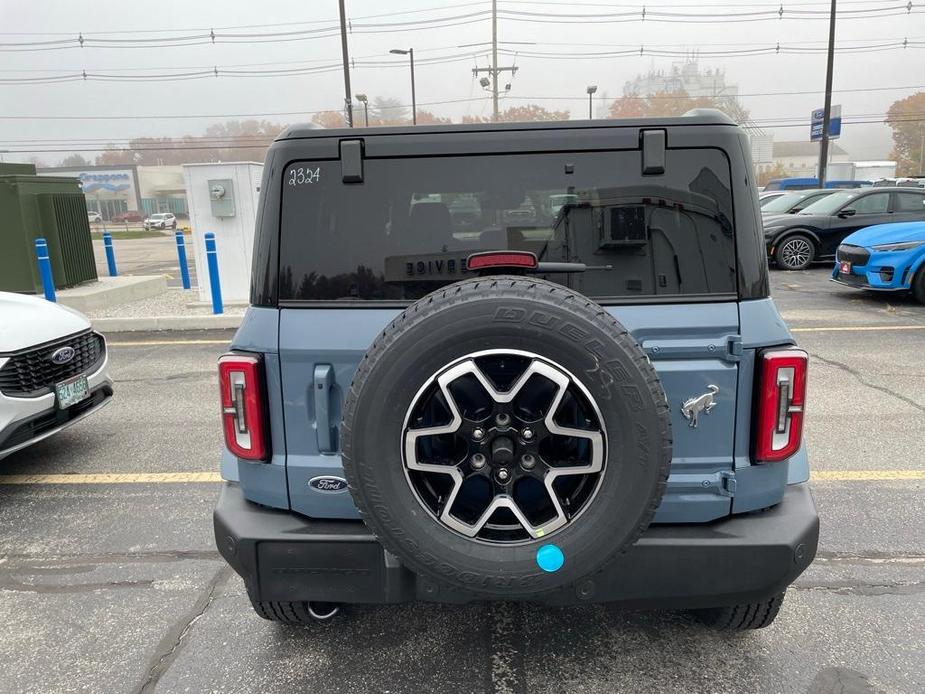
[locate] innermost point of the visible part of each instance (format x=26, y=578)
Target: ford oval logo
x=63, y=355
x=328, y=483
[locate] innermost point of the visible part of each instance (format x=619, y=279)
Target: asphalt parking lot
x=156, y=255
x=112, y=583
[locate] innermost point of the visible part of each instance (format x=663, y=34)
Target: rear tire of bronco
x=506, y=437
x=297, y=613
x=751, y=615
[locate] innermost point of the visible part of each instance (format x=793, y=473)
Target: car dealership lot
x=111, y=582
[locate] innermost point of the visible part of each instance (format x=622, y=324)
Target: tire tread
x=472, y=290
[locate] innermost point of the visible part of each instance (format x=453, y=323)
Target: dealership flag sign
x=815, y=129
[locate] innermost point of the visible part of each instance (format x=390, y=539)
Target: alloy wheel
x=504, y=446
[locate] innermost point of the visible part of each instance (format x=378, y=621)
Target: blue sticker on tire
x=549, y=558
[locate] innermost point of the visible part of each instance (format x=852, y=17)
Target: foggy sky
x=42, y=19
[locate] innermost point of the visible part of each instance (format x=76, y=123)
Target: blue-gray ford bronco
x=533, y=362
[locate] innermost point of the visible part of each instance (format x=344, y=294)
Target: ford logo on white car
x=62, y=355
x=328, y=483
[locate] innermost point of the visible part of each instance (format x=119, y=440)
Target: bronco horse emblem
x=692, y=408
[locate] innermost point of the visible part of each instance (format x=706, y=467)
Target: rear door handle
x=322, y=385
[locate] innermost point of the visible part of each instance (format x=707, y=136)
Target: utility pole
x=348, y=99
x=827, y=114
x=494, y=57
x=494, y=70
x=921, y=153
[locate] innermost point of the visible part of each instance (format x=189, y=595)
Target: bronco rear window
x=409, y=226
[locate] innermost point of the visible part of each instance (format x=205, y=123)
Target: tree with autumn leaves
x=907, y=119
x=383, y=112
x=674, y=103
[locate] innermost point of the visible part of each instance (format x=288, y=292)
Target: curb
x=154, y=323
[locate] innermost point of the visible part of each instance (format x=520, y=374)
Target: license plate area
x=844, y=267
x=72, y=391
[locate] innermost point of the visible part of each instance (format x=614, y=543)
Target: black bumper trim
x=287, y=557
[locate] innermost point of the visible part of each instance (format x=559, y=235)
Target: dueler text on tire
x=507, y=437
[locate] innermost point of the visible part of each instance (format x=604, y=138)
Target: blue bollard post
x=110, y=255
x=212, y=259
x=181, y=253
x=48, y=282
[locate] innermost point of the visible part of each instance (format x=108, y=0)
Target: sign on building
x=815, y=128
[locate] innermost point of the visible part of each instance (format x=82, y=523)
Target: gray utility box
x=221, y=194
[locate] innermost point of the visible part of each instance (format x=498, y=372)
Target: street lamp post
x=592, y=88
x=414, y=108
x=363, y=99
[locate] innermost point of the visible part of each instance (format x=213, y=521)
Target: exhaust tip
x=323, y=611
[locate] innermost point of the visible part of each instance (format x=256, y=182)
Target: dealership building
x=111, y=190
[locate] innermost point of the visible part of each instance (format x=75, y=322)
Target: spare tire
x=506, y=436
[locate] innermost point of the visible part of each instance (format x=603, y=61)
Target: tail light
x=240, y=378
x=782, y=397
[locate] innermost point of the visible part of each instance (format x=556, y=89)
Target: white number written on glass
x=304, y=175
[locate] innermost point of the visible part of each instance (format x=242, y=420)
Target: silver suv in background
x=162, y=220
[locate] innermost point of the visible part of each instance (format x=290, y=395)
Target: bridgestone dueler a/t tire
x=751, y=615
x=507, y=313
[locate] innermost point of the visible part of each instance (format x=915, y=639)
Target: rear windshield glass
x=409, y=227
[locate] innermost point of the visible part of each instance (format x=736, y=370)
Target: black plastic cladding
x=686, y=132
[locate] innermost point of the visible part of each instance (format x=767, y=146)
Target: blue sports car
x=885, y=257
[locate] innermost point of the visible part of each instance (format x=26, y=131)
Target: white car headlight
x=903, y=246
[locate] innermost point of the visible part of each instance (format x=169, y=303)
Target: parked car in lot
x=601, y=406
x=810, y=183
x=766, y=196
x=795, y=241
x=886, y=257
x=130, y=216
x=94, y=217
x=795, y=201
x=161, y=220
x=53, y=370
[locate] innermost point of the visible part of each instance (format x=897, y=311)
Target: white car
x=162, y=220
x=54, y=370
x=94, y=217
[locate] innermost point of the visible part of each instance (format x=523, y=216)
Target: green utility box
x=51, y=206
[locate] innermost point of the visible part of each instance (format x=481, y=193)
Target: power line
x=264, y=146
x=269, y=114
x=643, y=14
x=215, y=72
x=206, y=142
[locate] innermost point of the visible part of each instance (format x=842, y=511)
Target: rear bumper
x=287, y=557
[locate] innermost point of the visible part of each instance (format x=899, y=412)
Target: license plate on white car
x=844, y=268
x=72, y=391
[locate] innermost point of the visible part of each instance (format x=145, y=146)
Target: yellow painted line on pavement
x=856, y=328
x=866, y=475
x=200, y=477
x=155, y=343
x=114, y=478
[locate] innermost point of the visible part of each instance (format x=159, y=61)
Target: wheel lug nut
x=478, y=434
x=503, y=474
x=527, y=434
x=477, y=461
x=527, y=461
x=503, y=419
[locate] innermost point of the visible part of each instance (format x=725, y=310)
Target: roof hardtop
x=700, y=116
